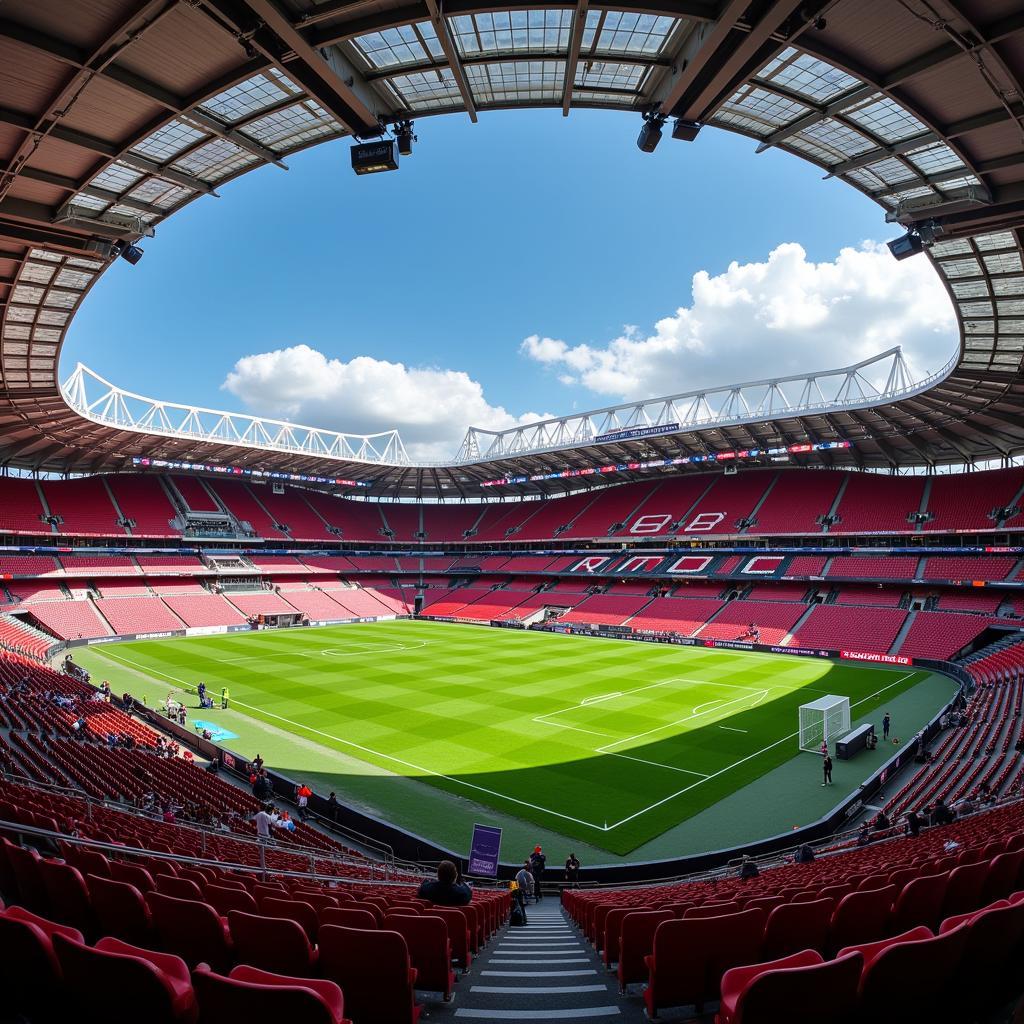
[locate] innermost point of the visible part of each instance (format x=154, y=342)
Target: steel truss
x=102, y=402
x=830, y=391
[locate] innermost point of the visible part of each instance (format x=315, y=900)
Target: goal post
x=822, y=721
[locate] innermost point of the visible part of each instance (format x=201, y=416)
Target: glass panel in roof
x=951, y=247
x=961, y=268
x=424, y=89
x=1008, y=286
x=214, y=160
x=20, y=314
x=517, y=82
x=247, y=98
x=811, y=149
x=69, y=278
x=151, y=190
x=995, y=240
x=52, y=316
x=90, y=202
x=116, y=178
x=1010, y=307
x=44, y=254
x=290, y=127
x=935, y=158
x=976, y=309
x=640, y=34
x=765, y=107
x=838, y=139
x=168, y=141
x=37, y=273
x=542, y=31
x=583, y=94
x=969, y=289
x=597, y=74
x=886, y=120
x=809, y=76
x=1003, y=263
x=400, y=45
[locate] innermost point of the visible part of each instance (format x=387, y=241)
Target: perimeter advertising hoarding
x=484, y=851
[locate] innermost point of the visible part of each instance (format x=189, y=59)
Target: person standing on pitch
x=537, y=864
x=826, y=766
x=886, y=722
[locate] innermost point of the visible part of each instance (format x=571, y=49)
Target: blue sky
x=524, y=226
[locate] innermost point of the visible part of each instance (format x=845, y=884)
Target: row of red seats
x=210, y=919
x=779, y=502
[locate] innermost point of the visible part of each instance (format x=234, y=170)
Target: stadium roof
x=115, y=113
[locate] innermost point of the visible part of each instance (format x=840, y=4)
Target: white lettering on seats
x=761, y=564
x=639, y=563
x=704, y=522
x=652, y=523
x=591, y=564
x=690, y=563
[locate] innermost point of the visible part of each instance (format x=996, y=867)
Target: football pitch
x=611, y=742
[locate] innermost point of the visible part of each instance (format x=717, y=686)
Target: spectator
x=265, y=820
x=826, y=767
x=941, y=814
x=913, y=823
x=286, y=822
x=886, y=723
x=804, y=854
x=302, y=795
x=524, y=886
x=332, y=807
x=882, y=822
x=748, y=869
x=448, y=890
x=257, y=764
x=572, y=871
x=537, y=864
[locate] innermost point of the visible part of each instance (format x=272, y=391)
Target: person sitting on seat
x=448, y=889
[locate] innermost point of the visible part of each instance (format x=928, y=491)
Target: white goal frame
x=822, y=721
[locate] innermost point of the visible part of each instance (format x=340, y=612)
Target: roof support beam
x=579, y=22
x=444, y=36
x=263, y=25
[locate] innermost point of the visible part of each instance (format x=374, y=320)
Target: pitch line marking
x=731, y=728
x=743, y=760
x=708, y=704
x=389, y=757
x=656, y=764
x=605, y=828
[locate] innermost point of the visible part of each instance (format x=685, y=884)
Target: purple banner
x=484, y=850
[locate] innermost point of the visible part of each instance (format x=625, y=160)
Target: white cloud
x=431, y=407
x=756, y=320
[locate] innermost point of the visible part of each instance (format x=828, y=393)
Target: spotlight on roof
x=650, y=134
x=374, y=157
x=685, y=131
x=128, y=251
x=404, y=137
x=906, y=245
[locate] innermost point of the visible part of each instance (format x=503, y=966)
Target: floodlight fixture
x=906, y=245
x=374, y=157
x=685, y=131
x=405, y=137
x=650, y=134
x=128, y=251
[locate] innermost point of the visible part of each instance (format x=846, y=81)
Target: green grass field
x=610, y=742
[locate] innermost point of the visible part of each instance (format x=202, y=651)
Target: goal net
x=823, y=721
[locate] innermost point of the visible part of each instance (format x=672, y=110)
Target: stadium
x=753, y=652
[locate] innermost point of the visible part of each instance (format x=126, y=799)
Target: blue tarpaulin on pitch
x=217, y=732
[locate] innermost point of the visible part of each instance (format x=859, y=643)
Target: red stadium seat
x=182, y=888
x=430, y=950
x=861, y=917
x=793, y=927
x=191, y=930
x=133, y=874
x=275, y=944
x=67, y=895
x=223, y=899
x=121, y=910
x=636, y=940
x=691, y=955
x=374, y=972
x=300, y=912
x=963, y=890
x=920, y=902
x=349, y=917
x=800, y=989
x=30, y=974
x=248, y=994
x=111, y=985
x=458, y=934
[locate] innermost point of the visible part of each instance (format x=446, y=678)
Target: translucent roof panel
x=166, y=142
x=754, y=109
x=422, y=90
x=808, y=76
x=116, y=178
x=292, y=126
x=248, y=97
x=936, y=158
x=512, y=32
x=597, y=74
x=405, y=44
x=536, y=81
x=215, y=160
x=886, y=119
x=619, y=32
